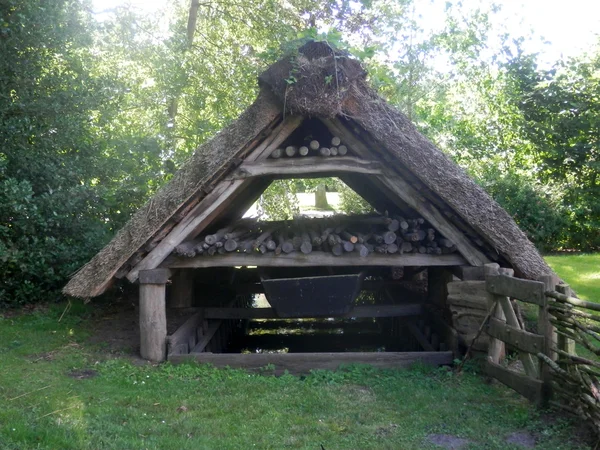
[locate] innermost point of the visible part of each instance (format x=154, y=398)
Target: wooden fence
x=552, y=371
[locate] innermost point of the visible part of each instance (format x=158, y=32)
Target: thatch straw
x=318, y=81
x=199, y=171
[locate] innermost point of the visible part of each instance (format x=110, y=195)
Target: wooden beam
x=312, y=260
x=210, y=332
x=525, y=290
x=306, y=167
x=521, y=340
x=396, y=184
x=430, y=213
x=524, y=385
x=298, y=363
x=185, y=338
x=402, y=310
x=420, y=337
x=213, y=204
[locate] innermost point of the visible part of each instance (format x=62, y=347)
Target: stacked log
x=311, y=147
x=358, y=235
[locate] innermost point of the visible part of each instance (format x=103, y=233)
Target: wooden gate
x=505, y=327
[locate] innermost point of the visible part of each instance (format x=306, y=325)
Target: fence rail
x=554, y=372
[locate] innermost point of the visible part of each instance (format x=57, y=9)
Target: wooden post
x=181, y=292
x=496, y=350
x=546, y=329
x=153, y=317
x=564, y=343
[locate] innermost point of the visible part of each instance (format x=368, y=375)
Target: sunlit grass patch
x=581, y=271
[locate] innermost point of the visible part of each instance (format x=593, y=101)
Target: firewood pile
x=357, y=235
x=314, y=148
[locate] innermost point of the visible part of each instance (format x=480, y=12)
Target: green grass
x=128, y=405
x=581, y=271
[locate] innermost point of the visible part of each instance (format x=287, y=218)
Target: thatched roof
x=328, y=84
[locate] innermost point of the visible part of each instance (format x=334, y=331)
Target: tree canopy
x=97, y=112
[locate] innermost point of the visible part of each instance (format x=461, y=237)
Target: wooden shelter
x=328, y=122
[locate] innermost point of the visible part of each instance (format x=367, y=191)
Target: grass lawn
x=58, y=391
x=581, y=271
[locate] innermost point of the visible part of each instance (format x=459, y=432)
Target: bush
x=538, y=214
x=43, y=239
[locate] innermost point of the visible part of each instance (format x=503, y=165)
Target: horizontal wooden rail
x=528, y=387
x=313, y=259
x=408, y=309
x=525, y=290
x=306, y=167
x=297, y=363
x=522, y=340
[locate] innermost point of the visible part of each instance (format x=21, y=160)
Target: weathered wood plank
x=407, y=309
x=186, y=336
x=313, y=259
x=153, y=322
x=469, y=301
x=525, y=290
x=298, y=363
x=524, y=385
x=208, y=335
x=471, y=288
x=469, y=273
x=213, y=204
x=306, y=167
x=522, y=340
x=420, y=337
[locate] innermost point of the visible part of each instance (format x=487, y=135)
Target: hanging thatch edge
x=188, y=182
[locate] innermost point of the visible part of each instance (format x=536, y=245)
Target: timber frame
x=386, y=161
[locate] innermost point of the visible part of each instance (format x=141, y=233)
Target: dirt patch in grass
x=82, y=374
x=448, y=441
x=116, y=326
x=523, y=439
